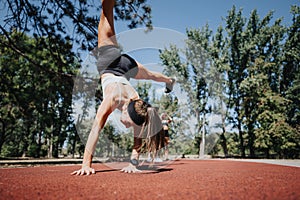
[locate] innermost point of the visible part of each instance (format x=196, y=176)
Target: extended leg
x=144, y=73
x=106, y=29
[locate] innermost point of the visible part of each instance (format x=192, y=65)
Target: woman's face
x=125, y=118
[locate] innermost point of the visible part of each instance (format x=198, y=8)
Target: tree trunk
x=242, y=147
x=224, y=144
x=39, y=147
x=251, y=144
x=74, y=145
x=222, y=136
x=2, y=135
x=50, y=143
x=202, y=143
x=267, y=153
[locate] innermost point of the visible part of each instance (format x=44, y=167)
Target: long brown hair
x=151, y=129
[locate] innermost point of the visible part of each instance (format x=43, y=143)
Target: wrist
x=134, y=162
x=134, y=155
x=87, y=161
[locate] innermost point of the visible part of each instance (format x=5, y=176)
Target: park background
x=249, y=49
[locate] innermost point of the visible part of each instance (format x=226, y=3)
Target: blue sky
x=178, y=15
x=181, y=14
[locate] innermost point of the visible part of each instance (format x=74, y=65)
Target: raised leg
x=144, y=73
x=106, y=29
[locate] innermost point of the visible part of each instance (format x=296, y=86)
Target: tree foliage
x=249, y=68
x=35, y=103
x=73, y=21
x=249, y=63
x=40, y=42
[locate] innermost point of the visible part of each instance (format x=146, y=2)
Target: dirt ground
x=181, y=179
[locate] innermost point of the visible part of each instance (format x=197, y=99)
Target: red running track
x=182, y=179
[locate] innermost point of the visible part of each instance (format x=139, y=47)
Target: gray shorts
x=106, y=55
x=110, y=60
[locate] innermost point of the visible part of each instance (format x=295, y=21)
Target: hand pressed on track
x=84, y=170
x=130, y=169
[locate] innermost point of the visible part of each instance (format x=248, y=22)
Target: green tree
x=76, y=21
x=47, y=62
x=273, y=134
x=248, y=40
x=142, y=89
x=41, y=98
x=218, y=83
x=249, y=62
x=237, y=62
x=290, y=83
x=193, y=74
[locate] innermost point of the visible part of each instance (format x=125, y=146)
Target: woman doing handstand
x=115, y=71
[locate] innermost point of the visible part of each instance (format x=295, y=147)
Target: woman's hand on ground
x=84, y=170
x=130, y=169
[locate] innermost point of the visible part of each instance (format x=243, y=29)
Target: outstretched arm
x=103, y=112
x=131, y=168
